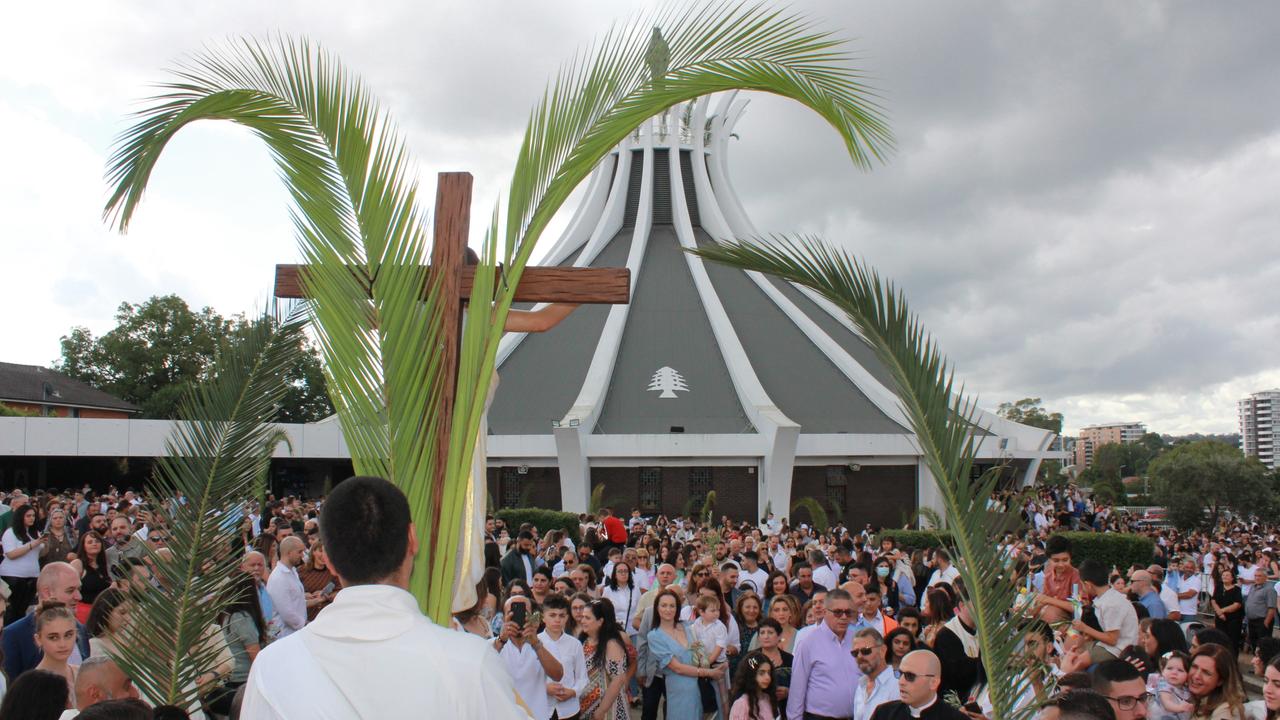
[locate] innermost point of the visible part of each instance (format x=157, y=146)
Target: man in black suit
x=918, y=688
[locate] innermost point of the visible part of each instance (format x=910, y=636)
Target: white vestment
x=372, y=654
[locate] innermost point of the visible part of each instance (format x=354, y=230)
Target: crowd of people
x=652, y=615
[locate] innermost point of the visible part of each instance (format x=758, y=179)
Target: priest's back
x=373, y=654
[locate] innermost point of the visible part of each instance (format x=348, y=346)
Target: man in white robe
x=372, y=653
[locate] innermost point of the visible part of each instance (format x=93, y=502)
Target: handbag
x=707, y=690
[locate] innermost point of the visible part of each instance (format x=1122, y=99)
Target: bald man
x=285, y=587
x=57, y=581
x=99, y=680
x=1140, y=582
x=918, y=687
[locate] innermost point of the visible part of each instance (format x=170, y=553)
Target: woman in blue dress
x=670, y=643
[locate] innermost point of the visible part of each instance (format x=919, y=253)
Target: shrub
x=1118, y=550
x=918, y=539
x=542, y=519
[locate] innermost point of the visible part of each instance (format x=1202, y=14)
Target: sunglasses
x=911, y=677
x=864, y=652
x=158, y=539
x=840, y=613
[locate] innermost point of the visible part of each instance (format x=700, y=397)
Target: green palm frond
x=709, y=507
x=216, y=458
x=817, y=513
x=364, y=236
x=941, y=417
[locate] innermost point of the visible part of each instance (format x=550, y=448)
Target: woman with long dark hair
x=1228, y=604
x=21, y=567
x=670, y=644
x=897, y=644
x=1271, y=689
x=1215, y=684
x=621, y=592
x=606, y=655
x=108, y=623
x=938, y=609
x=36, y=695
x=91, y=562
x=245, y=632
x=776, y=585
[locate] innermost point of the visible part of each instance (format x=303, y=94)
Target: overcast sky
x=1083, y=205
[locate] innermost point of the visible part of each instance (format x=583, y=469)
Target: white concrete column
x=575, y=474
x=927, y=494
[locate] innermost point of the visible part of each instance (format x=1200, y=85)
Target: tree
x=363, y=233
x=1200, y=480
x=1029, y=411
x=160, y=349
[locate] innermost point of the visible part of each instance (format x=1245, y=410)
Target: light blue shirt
x=886, y=689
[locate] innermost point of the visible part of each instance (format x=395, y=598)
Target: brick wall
x=540, y=486
x=735, y=488
x=878, y=494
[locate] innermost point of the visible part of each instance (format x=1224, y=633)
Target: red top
x=615, y=530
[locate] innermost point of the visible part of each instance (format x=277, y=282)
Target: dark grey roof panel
x=27, y=383
x=542, y=377
x=805, y=385
x=668, y=328
x=852, y=343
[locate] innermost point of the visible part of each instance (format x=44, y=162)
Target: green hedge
x=918, y=539
x=1111, y=549
x=542, y=519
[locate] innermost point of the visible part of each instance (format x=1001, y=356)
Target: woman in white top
x=620, y=589
x=21, y=565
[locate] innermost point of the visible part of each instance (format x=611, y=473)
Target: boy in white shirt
x=708, y=630
x=562, y=695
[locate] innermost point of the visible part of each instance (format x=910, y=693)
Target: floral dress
x=598, y=679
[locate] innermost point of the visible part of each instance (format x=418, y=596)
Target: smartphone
x=519, y=613
x=328, y=588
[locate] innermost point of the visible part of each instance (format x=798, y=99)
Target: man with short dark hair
x=805, y=588
x=945, y=572
x=1122, y=685
x=1079, y=704
x=878, y=684
x=956, y=646
x=519, y=561
x=752, y=572
x=351, y=660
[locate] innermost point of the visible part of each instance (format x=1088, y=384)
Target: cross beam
x=606, y=286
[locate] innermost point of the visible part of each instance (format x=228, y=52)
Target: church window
x=651, y=489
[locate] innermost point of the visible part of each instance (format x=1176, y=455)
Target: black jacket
x=898, y=710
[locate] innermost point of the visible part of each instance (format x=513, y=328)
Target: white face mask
x=882, y=571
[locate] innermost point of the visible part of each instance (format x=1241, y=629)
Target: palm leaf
x=709, y=507
x=942, y=419
x=363, y=236
x=216, y=458
x=817, y=513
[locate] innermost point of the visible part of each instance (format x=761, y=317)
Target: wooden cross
x=610, y=286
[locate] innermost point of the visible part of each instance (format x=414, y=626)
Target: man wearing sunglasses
x=877, y=685
x=823, y=671
x=918, y=689
x=1121, y=684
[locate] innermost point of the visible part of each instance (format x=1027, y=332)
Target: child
x=1172, y=697
x=708, y=629
x=753, y=688
x=713, y=635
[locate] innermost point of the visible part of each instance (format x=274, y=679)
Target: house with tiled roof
x=45, y=392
